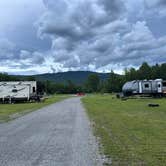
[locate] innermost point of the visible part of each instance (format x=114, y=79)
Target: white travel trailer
x=18, y=91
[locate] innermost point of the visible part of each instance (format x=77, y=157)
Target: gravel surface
x=57, y=135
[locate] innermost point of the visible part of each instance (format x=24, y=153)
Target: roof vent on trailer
x=14, y=90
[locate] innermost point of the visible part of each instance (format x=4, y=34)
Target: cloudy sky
x=39, y=36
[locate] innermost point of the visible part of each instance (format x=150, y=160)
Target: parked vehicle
x=13, y=91
x=150, y=87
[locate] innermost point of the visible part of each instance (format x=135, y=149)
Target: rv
x=13, y=91
x=150, y=87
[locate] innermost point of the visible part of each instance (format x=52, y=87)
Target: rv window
x=14, y=90
x=146, y=85
x=159, y=86
x=34, y=89
x=164, y=83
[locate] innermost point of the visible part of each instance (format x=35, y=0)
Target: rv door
x=159, y=87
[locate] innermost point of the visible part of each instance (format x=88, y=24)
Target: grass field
x=130, y=132
x=11, y=111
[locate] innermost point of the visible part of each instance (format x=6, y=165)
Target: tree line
x=113, y=83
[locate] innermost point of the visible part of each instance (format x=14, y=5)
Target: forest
x=93, y=83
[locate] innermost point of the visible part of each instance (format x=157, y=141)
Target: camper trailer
x=13, y=91
x=150, y=87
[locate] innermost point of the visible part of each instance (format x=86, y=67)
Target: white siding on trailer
x=31, y=84
x=22, y=91
x=140, y=86
x=16, y=91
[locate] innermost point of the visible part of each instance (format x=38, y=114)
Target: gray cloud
x=79, y=19
x=156, y=6
x=53, y=69
x=155, y=3
x=32, y=57
x=84, y=37
x=114, y=8
x=81, y=28
x=162, y=3
x=6, y=49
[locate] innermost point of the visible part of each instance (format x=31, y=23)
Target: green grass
x=7, y=111
x=130, y=132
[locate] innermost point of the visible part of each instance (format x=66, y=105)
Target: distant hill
x=77, y=77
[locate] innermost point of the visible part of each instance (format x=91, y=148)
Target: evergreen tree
x=144, y=71
x=114, y=82
x=93, y=82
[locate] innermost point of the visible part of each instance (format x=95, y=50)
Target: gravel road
x=56, y=135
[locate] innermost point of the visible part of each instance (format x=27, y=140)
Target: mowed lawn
x=10, y=111
x=130, y=132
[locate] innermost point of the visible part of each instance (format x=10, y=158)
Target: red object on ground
x=80, y=94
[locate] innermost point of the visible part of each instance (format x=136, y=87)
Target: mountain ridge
x=77, y=77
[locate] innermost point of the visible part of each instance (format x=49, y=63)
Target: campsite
x=120, y=124
x=83, y=83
